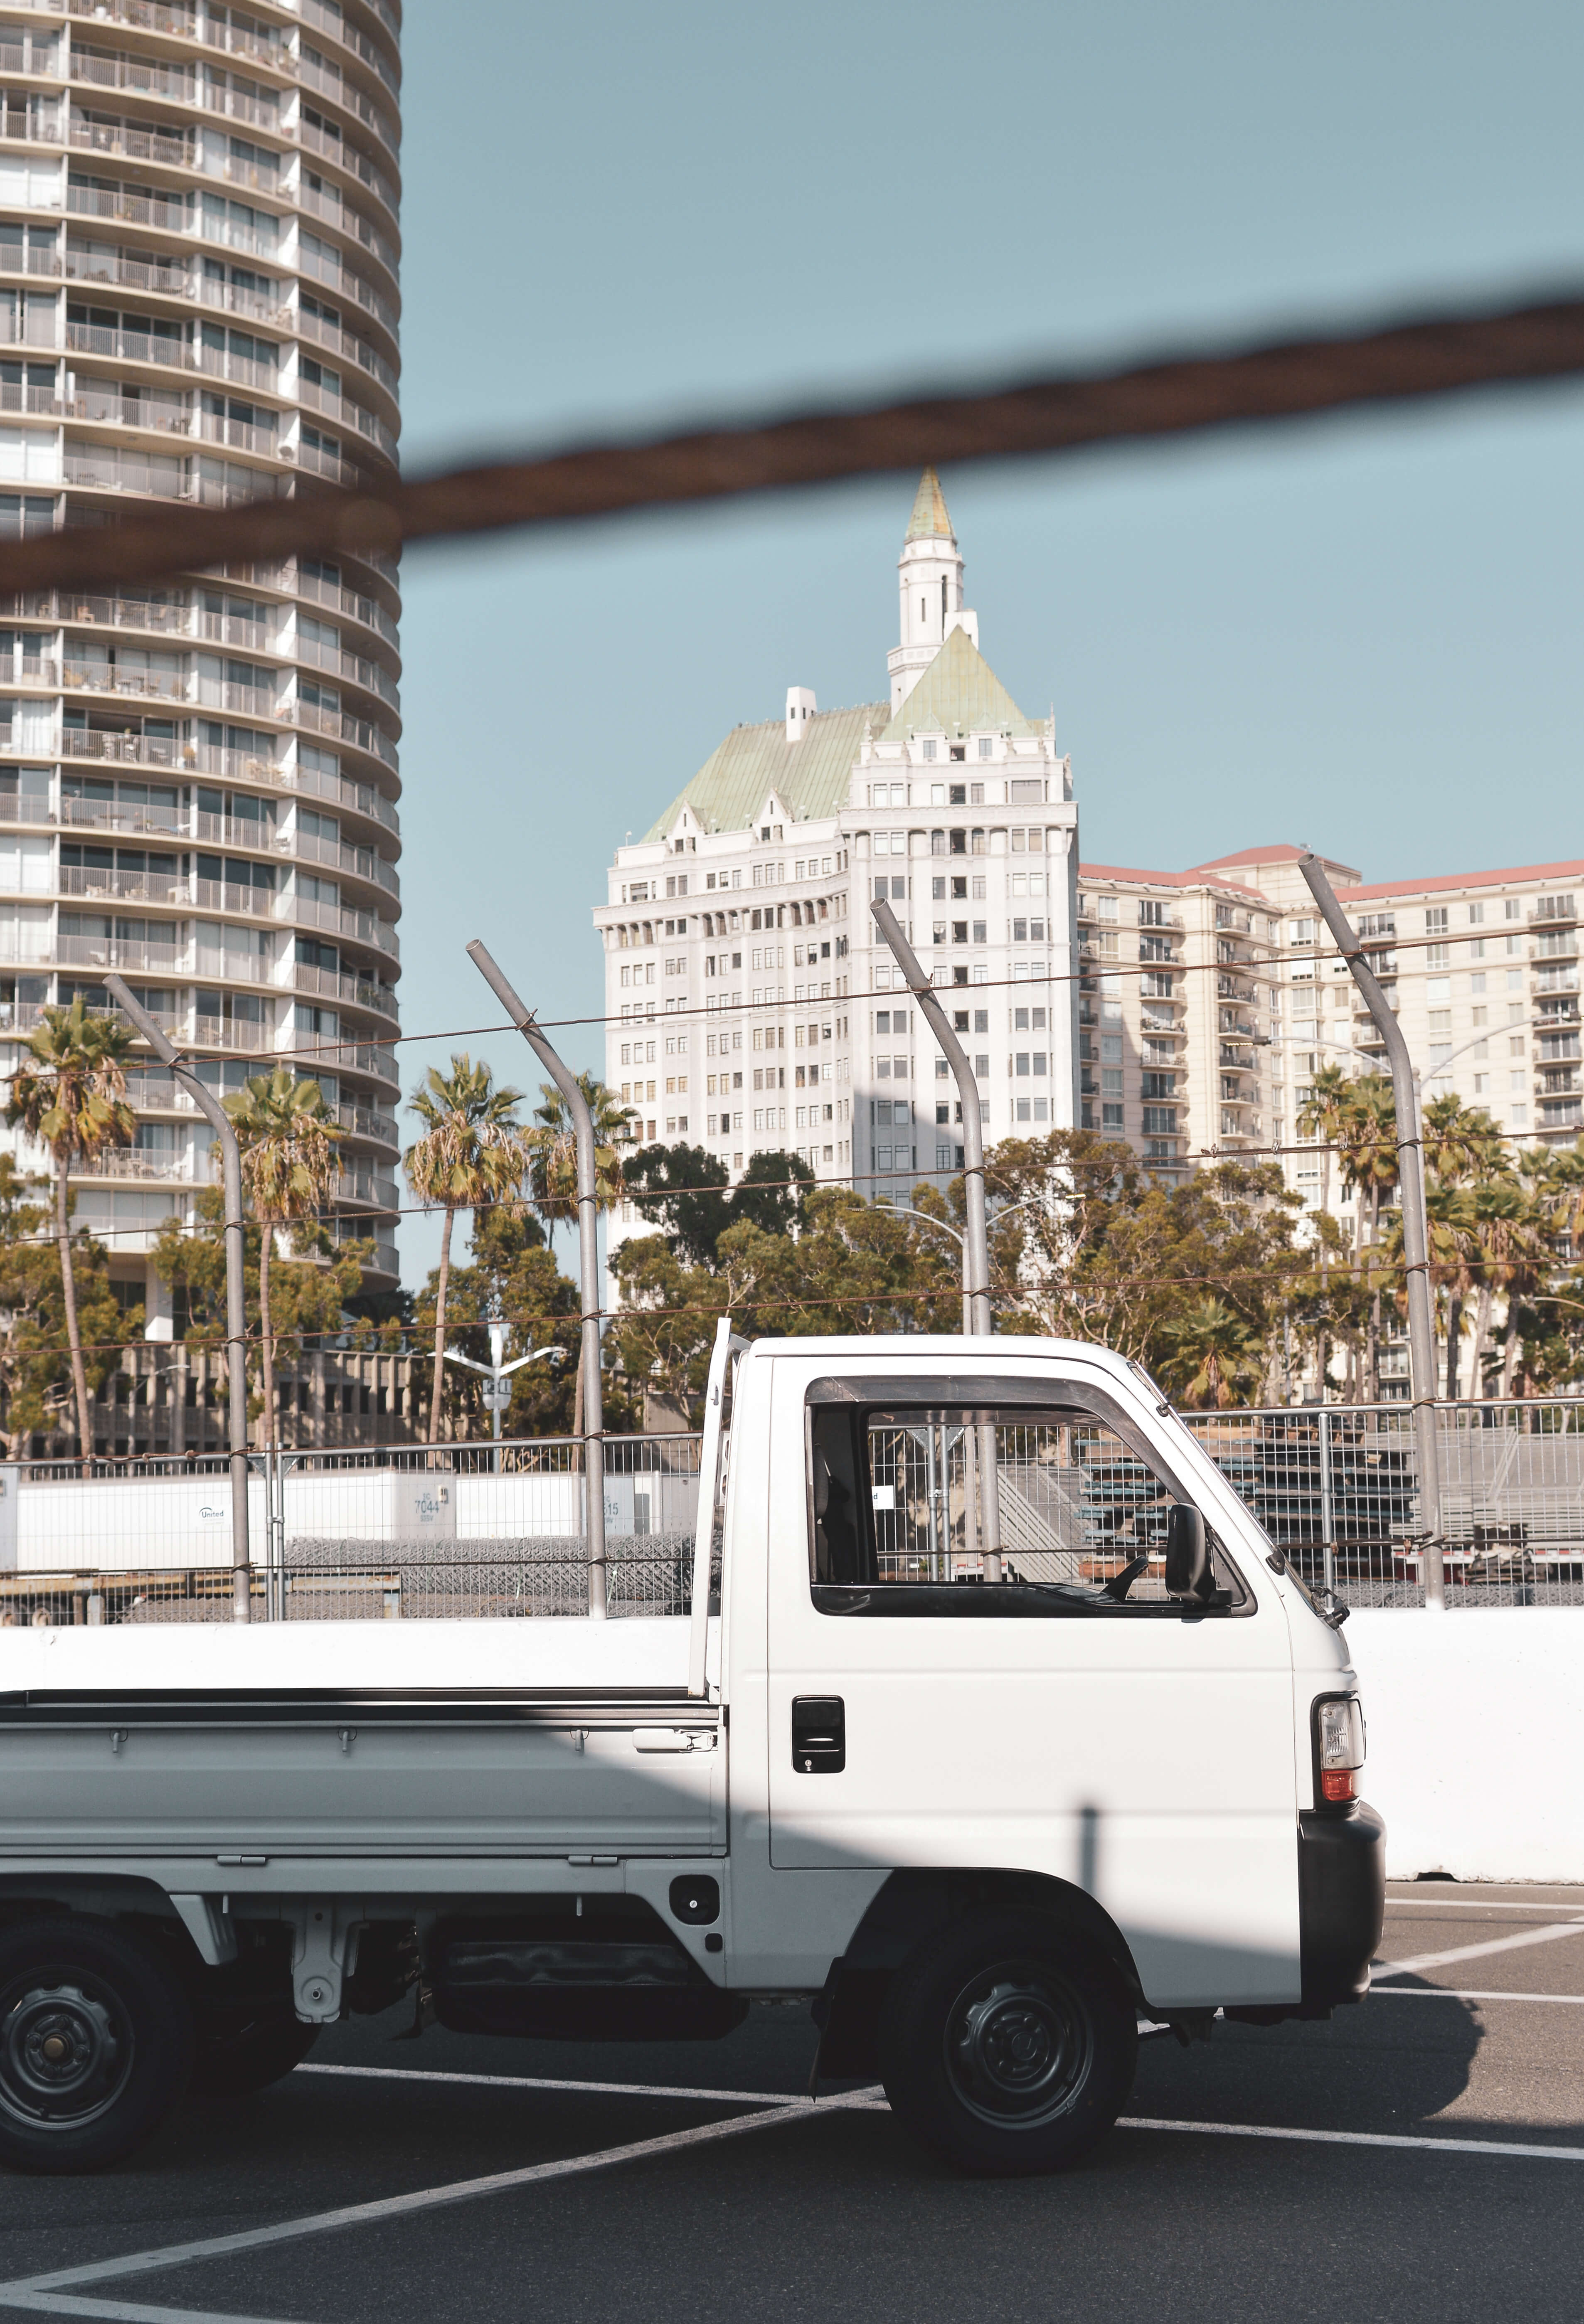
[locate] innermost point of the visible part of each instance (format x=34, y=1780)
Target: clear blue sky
x=1362, y=632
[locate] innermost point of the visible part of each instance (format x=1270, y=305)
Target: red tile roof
x=1521, y=874
x=1196, y=879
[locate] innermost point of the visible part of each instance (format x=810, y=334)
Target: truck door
x=1069, y=1719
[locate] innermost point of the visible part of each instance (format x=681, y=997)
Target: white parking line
x=1361, y=2138
x=54, y=2293
x=1464, y=1993
x=539, y=2082
x=120, y=2311
x=1448, y=1905
x=1493, y=1945
x=421, y=2199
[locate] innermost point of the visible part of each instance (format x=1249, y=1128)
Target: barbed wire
x=1437, y=354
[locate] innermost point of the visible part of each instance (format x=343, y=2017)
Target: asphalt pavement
x=1419, y=2156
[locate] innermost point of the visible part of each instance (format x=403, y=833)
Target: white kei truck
x=1009, y=1730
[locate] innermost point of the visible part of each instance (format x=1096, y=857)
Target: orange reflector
x=1337, y=1784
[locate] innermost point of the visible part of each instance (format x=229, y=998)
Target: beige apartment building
x=1209, y=1002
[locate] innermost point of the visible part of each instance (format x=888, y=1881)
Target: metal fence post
x=209, y=1106
x=588, y=1242
x=1415, y=1226
x=1328, y=1521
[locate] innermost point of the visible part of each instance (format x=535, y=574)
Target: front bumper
x=1341, y=1900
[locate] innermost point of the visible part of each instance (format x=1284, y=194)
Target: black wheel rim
x=1019, y=2046
x=66, y=2048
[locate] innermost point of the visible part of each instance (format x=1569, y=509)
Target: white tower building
x=751, y=1004
x=930, y=584
x=198, y=302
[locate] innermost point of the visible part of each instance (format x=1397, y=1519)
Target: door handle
x=819, y=1734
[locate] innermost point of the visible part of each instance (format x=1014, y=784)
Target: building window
x=1435, y=920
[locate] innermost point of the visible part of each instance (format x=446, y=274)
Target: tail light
x=1339, y=1748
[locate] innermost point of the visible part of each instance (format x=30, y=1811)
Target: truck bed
x=355, y=1739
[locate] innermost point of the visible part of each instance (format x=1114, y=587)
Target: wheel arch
x=913, y=1904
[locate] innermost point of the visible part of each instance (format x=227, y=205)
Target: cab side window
x=912, y=1504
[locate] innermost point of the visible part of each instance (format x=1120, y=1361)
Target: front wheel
x=96, y=2043
x=1008, y=2044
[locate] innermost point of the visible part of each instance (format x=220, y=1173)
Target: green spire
x=929, y=520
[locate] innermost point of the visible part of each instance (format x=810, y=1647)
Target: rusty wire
x=1437, y=354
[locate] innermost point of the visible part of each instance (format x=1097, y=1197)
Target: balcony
x=319, y=73
x=121, y=613
x=27, y=669
x=239, y=434
x=366, y=610
x=1559, y=944
x=322, y=334
x=146, y=15
x=238, y=1036
x=130, y=141
x=21, y=125
x=108, y=677
x=258, y=834
x=143, y=952
x=25, y=806
x=1554, y=911
x=127, y=1162
x=42, y=401
x=166, y=888
x=115, y=815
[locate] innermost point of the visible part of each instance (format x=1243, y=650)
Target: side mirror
x=1187, y=1552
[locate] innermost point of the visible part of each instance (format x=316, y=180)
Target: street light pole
x=976, y=1299
x=236, y=1282
x=976, y=1304
x=1415, y=1225
x=588, y=1249
x=497, y=1395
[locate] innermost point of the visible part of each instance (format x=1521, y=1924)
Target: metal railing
x=455, y=1531
x=467, y=1531
x=1336, y=1487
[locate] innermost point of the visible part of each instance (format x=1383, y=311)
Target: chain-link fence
x=1337, y=1487
x=455, y=1531
x=467, y=1531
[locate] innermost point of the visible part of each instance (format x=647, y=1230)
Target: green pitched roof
x=810, y=776
x=959, y=693
x=929, y=520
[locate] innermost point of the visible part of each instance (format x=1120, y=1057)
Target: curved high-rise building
x=198, y=302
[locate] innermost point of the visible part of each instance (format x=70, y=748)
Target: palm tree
x=71, y=1097
x=552, y=1149
x=1320, y=1115
x=471, y=1152
x=1511, y=1251
x=1368, y=1136
x=1214, y=1352
x=288, y=1167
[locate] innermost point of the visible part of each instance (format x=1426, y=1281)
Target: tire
x=236, y=2062
x=1008, y=2044
x=96, y=2043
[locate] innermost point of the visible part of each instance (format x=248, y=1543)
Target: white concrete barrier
x=1475, y=1753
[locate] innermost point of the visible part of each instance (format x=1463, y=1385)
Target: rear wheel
x=1008, y=2044
x=96, y=2042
